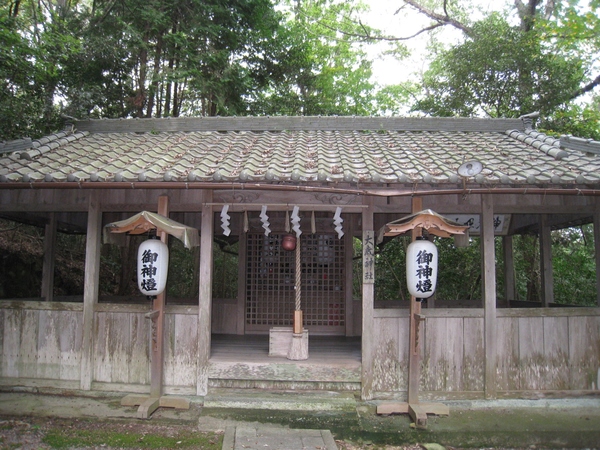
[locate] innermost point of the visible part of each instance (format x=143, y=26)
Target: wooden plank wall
x=390, y=359
x=539, y=350
x=121, y=348
x=181, y=351
x=42, y=346
x=547, y=351
x=453, y=355
x=40, y=343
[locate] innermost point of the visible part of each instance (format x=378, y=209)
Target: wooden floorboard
x=322, y=350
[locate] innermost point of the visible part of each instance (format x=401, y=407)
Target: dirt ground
x=29, y=433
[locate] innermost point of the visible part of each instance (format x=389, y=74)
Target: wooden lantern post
x=439, y=226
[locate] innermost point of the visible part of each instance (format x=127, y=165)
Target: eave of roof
x=298, y=151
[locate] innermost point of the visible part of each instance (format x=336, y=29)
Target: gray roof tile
x=292, y=154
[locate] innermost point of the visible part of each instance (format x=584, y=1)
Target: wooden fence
x=543, y=350
x=539, y=350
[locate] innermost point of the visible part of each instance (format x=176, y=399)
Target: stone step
x=280, y=400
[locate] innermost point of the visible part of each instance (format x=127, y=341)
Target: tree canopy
x=128, y=58
x=536, y=56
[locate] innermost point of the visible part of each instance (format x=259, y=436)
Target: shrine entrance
x=269, y=281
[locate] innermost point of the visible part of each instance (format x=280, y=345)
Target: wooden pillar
x=49, y=259
x=368, y=298
x=348, y=257
x=90, y=289
x=414, y=354
x=241, y=296
x=510, y=288
x=597, y=248
x=158, y=320
x=489, y=295
x=205, y=293
x=547, y=278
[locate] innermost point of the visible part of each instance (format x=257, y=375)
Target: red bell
x=289, y=242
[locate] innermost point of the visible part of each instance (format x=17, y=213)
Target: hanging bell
x=289, y=242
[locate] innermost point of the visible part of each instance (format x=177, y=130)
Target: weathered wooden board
x=531, y=352
x=556, y=354
x=508, y=354
x=473, y=358
x=443, y=353
x=584, y=352
x=139, y=367
x=11, y=343
x=70, y=340
x=111, y=347
x=181, y=350
x=390, y=360
x=27, y=351
x=224, y=316
x=48, y=346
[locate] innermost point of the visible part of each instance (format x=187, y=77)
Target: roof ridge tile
x=542, y=142
x=50, y=142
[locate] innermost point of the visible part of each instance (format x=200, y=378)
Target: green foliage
x=573, y=266
x=22, y=260
x=319, y=70
x=182, y=279
x=527, y=267
x=22, y=104
x=575, y=120
x=225, y=270
x=500, y=71
x=390, y=271
x=459, y=270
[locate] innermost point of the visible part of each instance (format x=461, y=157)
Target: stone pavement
x=264, y=437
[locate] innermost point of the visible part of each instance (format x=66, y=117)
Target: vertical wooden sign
x=368, y=257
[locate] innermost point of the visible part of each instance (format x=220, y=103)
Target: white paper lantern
x=153, y=266
x=421, y=268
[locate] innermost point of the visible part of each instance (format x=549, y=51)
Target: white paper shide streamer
x=338, y=221
x=296, y=221
x=225, y=220
x=265, y=220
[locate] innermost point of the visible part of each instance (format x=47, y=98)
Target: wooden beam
x=368, y=300
x=547, y=277
x=489, y=295
x=90, y=288
x=597, y=249
x=510, y=289
x=158, y=322
x=414, y=356
x=49, y=259
x=205, y=293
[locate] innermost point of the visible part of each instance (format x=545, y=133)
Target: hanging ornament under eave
x=246, y=225
x=296, y=221
x=338, y=221
x=264, y=218
x=421, y=268
x=225, y=220
x=153, y=266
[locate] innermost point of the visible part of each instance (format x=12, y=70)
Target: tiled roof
x=299, y=151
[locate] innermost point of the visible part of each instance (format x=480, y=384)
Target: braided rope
x=298, y=275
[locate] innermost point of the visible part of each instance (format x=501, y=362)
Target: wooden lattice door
x=270, y=281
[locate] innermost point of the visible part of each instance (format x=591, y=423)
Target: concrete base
x=280, y=340
x=417, y=411
x=147, y=404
